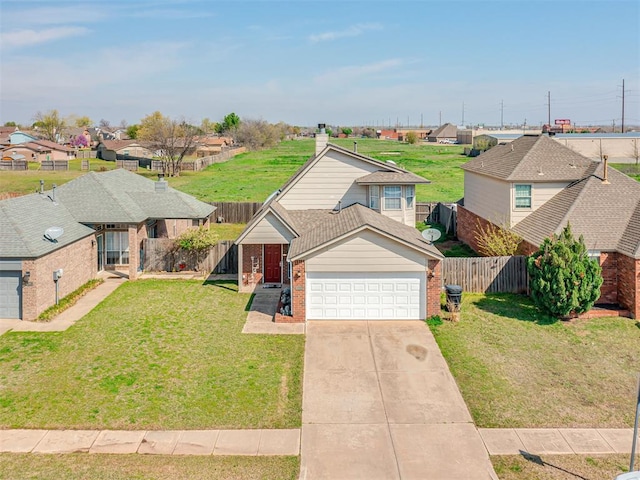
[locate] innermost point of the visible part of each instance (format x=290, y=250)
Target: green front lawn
x=156, y=354
x=518, y=368
x=560, y=467
x=127, y=467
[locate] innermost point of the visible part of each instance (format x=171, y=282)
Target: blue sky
x=304, y=62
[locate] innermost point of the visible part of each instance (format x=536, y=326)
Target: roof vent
x=355, y=147
x=605, y=179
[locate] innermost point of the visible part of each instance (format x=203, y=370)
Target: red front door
x=272, y=265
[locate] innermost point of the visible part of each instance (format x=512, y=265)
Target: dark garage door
x=10, y=293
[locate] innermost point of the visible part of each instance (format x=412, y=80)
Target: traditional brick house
x=341, y=232
x=536, y=186
x=93, y=223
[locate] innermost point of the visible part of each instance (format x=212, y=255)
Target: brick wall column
x=250, y=250
x=134, y=252
x=434, y=287
x=29, y=292
x=629, y=284
x=609, y=288
x=298, y=293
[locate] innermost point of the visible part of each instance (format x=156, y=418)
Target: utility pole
x=613, y=126
x=463, y=114
x=501, y=114
x=440, y=124
x=549, y=108
x=622, y=105
x=421, y=123
x=407, y=121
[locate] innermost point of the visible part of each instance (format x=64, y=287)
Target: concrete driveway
x=379, y=402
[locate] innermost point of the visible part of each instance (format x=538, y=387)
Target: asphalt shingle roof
x=322, y=227
x=531, y=158
x=23, y=221
x=607, y=215
x=391, y=178
x=120, y=196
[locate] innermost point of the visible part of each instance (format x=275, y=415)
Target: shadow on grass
x=250, y=302
x=514, y=306
x=224, y=284
x=538, y=461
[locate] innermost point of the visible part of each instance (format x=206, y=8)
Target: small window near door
x=409, y=194
x=522, y=196
x=374, y=197
x=392, y=197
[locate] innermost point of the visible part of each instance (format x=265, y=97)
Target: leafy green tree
x=562, y=278
x=329, y=132
x=197, y=241
x=347, y=131
x=412, y=137
x=171, y=139
x=132, y=131
x=50, y=125
x=83, y=122
x=10, y=124
x=229, y=124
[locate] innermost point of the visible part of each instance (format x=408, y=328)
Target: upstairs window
x=374, y=197
x=409, y=195
x=522, y=196
x=392, y=198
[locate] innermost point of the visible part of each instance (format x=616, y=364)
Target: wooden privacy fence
x=204, y=162
x=131, y=165
x=487, y=274
x=54, y=165
x=235, y=212
x=14, y=165
x=442, y=213
x=159, y=255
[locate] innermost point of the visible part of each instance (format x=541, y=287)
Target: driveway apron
x=379, y=402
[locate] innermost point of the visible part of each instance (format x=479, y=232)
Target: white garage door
x=366, y=296
x=10, y=294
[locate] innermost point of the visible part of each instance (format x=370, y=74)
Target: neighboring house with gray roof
x=537, y=186
x=102, y=219
x=341, y=233
x=445, y=133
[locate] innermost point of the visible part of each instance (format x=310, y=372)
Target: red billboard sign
x=563, y=121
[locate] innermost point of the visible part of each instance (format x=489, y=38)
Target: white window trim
x=399, y=197
x=520, y=209
x=374, y=188
x=410, y=205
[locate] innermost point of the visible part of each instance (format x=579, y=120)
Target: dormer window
x=393, y=197
x=374, y=197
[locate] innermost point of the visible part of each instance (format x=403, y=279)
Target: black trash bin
x=454, y=294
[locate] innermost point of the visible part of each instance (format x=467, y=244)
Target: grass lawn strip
x=518, y=368
x=156, y=354
x=128, y=467
x=560, y=467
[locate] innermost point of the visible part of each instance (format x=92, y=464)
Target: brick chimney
x=321, y=138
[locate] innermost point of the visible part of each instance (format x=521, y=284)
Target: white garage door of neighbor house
x=10, y=294
x=366, y=296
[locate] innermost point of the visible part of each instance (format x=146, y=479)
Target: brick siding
x=629, y=284
x=434, y=287
x=298, y=294
x=79, y=263
x=248, y=251
x=609, y=288
x=467, y=225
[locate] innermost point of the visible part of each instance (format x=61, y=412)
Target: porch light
x=26, y=277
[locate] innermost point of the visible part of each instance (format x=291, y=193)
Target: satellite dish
x=53, y=233
x=431, y=234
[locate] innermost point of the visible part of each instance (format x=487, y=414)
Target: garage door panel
x=366, y=296
x=10, y=294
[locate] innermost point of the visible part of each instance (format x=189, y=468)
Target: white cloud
x=352, y=31
x=53, y=15
x=24, y=38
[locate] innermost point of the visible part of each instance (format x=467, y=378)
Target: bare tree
x=170, y=139
x=49, y=125
x=635, y=151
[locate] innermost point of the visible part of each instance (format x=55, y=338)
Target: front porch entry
x=272, y=263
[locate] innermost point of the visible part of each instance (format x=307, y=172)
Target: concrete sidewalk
x=160, y=442
x=557, y=441
x=71, y=315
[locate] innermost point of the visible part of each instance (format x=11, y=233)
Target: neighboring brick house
x=445, y=133
x=536, y=186
x=110, y=149
x=341, y=232
x=39, y=150
x=102, y=218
